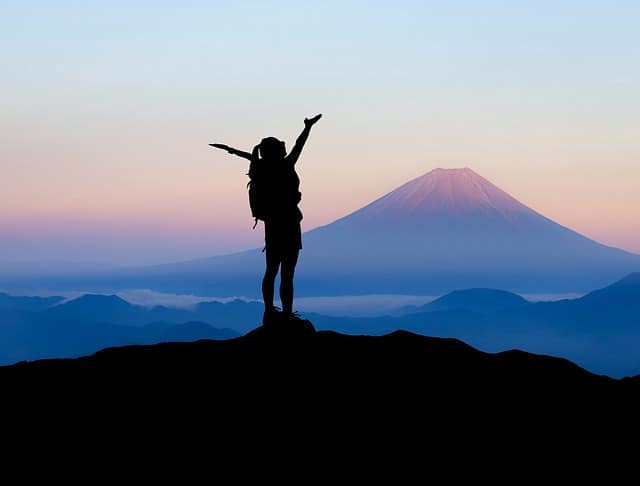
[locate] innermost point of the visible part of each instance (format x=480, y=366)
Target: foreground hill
x=323, y=383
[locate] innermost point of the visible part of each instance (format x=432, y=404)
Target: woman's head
x=272, y=148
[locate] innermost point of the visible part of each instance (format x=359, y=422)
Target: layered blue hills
x=599, y=331
x=35, y=328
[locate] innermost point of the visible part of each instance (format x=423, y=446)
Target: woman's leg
x=269, y=279
x=289, y=260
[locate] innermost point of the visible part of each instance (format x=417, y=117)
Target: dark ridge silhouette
x=310, y=386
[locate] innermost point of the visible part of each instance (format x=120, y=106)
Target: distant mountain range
x=599, y=331
x=237, y=314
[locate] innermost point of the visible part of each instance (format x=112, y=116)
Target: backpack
x=262, y=198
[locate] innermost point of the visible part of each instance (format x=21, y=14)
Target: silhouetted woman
x=282, y=232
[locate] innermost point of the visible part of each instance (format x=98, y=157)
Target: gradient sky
x=108, y=107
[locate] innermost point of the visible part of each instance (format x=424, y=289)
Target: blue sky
x=107, y=109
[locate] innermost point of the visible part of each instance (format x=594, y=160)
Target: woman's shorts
x=283, y=236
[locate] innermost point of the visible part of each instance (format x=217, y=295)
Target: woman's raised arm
x=302, y=139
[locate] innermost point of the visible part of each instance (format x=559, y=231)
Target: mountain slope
x=453, y=228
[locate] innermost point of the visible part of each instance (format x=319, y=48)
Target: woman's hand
x=231, y=150
x=309, y=122
x=221, y=146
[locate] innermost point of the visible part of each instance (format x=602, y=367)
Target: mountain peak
x=458, y=170
x=478, y=299
x=93, y=301
x=444, y=192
